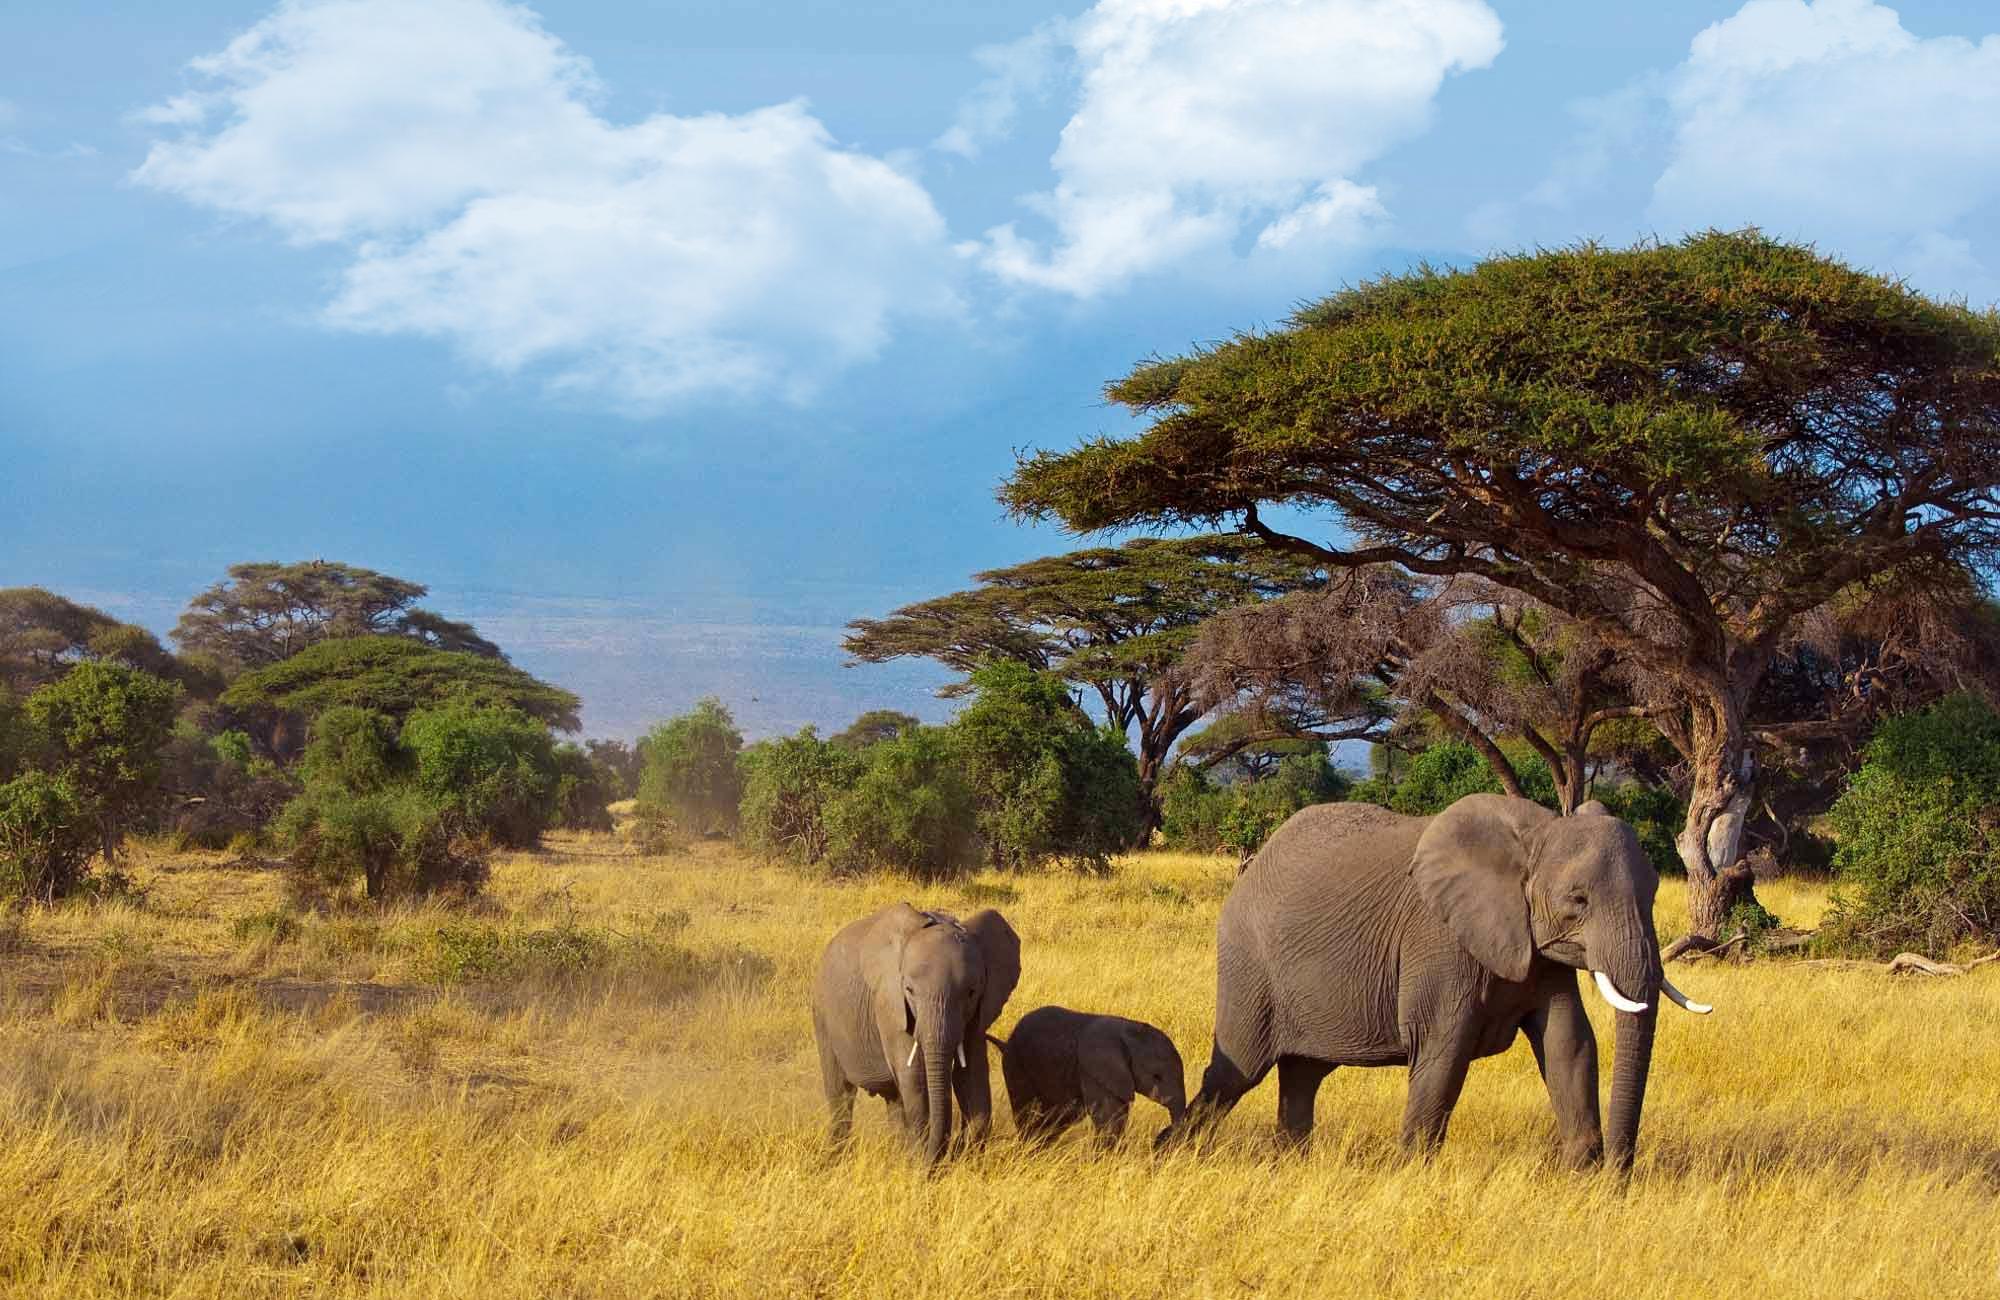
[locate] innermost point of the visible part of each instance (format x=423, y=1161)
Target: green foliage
x=105, y=727
x=911, y=811
x=394, y=676
x=1918, y=834
x=690, y=771
x=1202, y=816
x=17, y=740
x=584, y=789
x=789, y=785
x=1048, y=784
x=874, y=727
x=265, y=613
x=43, y=635
x=391, y=815
x=491, y=770
x=47, y=835
x=219, y=793
x=395, y=839
x=1655, y=813
x=620, y=764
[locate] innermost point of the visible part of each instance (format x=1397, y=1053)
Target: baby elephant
x=1061, y=1065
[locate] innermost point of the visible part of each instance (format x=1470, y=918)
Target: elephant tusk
x=913, y=1057
x=1612, y=995
x=961, y=1056
x=1680, y=999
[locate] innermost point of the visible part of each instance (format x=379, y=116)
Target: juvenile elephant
x=900, y=1008
x=1062, y=1065
x=1367, y=938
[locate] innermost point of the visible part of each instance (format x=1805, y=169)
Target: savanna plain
x=599, y=1080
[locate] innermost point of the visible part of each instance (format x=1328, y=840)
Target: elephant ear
x=1471, y=866
x=1001, y=949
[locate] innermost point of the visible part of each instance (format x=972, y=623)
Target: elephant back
x=1318, y=838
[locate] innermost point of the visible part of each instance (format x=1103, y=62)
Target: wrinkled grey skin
x=901, y=979
x=1368, y=938
x=1062, y=1065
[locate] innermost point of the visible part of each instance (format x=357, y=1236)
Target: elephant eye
x=1578, y=899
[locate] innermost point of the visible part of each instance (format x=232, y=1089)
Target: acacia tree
x=1113, y=620
x=265, y=613
x=43, y=635
x=1687, y=448
x=1378, y=649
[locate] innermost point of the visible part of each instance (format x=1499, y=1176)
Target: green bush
x=910, y=811
x=219, y=794
x=492, y=770
x=1192, y=811
x=1655, y=813
x=47, y=835
x=789, y=784
x=689, y=769
x=1260, y=807
x=105, y=726
x=1049, y=785
x=1918, y=835
x=584, y=790
x=364, y=812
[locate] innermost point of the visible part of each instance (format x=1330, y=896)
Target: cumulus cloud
x=1200, y=120
x=1830, y=120
x=455, y=146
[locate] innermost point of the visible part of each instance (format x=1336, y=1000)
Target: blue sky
x=663, y=339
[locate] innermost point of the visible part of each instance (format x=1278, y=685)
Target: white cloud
x=1832, y=122
x=454, y=146
x=1018, y=68
x=1199, y=120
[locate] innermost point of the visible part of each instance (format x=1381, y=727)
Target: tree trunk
x=1711, y=841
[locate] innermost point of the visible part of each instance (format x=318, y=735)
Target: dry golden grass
x=193, y=1103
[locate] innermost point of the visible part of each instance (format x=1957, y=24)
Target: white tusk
x=913, y=1055
x=1612, y=995
x=961, y=1056
x=1680, y=999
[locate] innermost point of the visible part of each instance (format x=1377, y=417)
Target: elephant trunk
x=940, y=1038
x=1172, y=1094
x=1638, y=975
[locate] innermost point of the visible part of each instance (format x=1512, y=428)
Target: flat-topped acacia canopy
x=1686, y=446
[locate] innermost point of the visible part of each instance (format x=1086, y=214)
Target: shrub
x=689, y=769
x=1260, y=807
x=1655, y=813
x=1047, y=783
x=219, y=794
x=1918, y=835
x=788, y=786
x=105, y=727
x=47, y=835
x=491, y=770
x=584, y=789
x=1192, y=811
x=910, y=811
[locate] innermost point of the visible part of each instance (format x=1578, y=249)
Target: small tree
x=47, y=834
x=105, y=727
x=1918, y=833
x=43, y=635
x=689, y=769
x=491, y=770
x=789, y=786
x=910, y=811
x=362, y=812
x=1048, y=784
x=585, y=788
x=620, y=764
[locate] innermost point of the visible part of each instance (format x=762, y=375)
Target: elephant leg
x=1437, y=1075
x=973, y=1087
x=1566, y=1054
x=916, y=1116
x=895, y=1108
x=1299, y=1078
x=839, y=1092
x=1108, y=1116
x=1222, y=1086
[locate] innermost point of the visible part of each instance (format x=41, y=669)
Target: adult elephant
x=1360, y=937
x=900, y=1008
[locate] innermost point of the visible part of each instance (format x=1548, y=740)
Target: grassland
x=601, y=1082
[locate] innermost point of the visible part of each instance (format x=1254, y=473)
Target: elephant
x=1362, y=937
x=900, y=997
x=1062, y=1065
